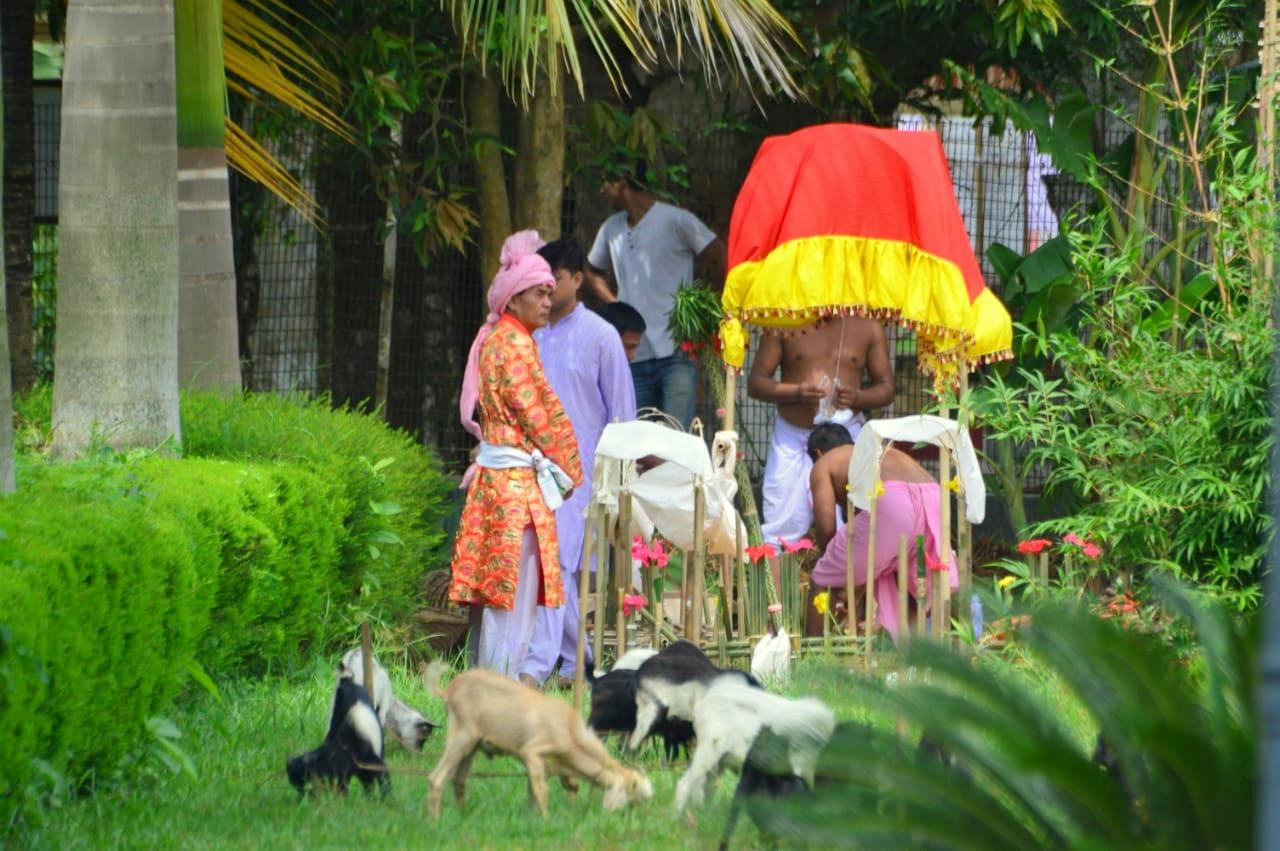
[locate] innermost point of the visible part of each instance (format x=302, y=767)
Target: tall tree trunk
x=116, y=355
x=539, y=177
x=208, y=334
x=7, y=480
x=17, y=31
x=484, y=117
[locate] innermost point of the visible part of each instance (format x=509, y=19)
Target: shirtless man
x=810, y=373
x=830, y=449
x=910, y=505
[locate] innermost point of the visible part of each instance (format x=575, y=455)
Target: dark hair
x=623, y=317
x=634, y=172
x=564, y=253
x=828, y=436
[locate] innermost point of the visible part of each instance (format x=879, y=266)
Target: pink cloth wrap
x=905, y=508
x=521, y=268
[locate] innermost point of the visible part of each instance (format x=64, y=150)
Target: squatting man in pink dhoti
x=909, y=503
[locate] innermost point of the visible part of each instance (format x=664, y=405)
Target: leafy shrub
x=395, y=488
x=117, y=574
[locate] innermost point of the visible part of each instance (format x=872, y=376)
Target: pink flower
x=775, y=608
x=760, y=551
x=1073, y=538
x=658, y=555
x=639, y=549
x=633, y=603
x=1034, y=546
x=720, y=412
x=1091, y=550
x=796, y=546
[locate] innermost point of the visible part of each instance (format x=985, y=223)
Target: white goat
x=727, y=719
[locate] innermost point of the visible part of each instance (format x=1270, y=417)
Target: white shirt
x=650, y=261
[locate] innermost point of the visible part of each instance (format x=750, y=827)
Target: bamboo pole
x=922, y=589
x=623, y=576
x=964, y=530
x=686, y=567
x=699, y=560
x=869, y=585
x=602, y=581
x=730, y=396
x=943, y=606
x=584, y=591
x=904, y=625
x=851, y=616
x=739, y=565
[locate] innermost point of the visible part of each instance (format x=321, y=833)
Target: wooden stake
x=584, y=591
x=623, y=577
x=366, y=656
x=730, y=396
x=869, y=585
x=943, y=603
x=602, y=581
x=904, y=625
x=699, y=560
x=851, y=616
x=739, y=565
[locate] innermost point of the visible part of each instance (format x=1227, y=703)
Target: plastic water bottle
x=975, y=616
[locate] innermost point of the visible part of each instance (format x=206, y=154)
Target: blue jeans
x=668, y=384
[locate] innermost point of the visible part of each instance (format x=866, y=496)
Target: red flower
x=760, y=551
x=689, y=347
x=1092, y=550
x=633, y=603
x=1073, y=538
x=796, y=546
x=1122, y=605
x=1034, y=546
x=933, y=563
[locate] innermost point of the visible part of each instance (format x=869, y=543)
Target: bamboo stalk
x=1042, y=573
x=740, y=565
x=730, y=395
x=584, y=590
x=851, y=625
x=623, y=576
x=869, y=585
x=943, y=605
x=602, y=581
x=904, y=625
x=699, y=560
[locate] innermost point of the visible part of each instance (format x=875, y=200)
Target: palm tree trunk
x=7, y=480
x=539, y=177
x=484, y=100
x=17, y=30
x=208, y=335
x=116, y=358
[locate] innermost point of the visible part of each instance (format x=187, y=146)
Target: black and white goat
x=613, y=705
x=352, y=747
x=670, y=685
x=728, y=719
x=405, y=723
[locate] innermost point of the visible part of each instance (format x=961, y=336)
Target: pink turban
x=521, y=268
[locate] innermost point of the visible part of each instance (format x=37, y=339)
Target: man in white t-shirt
x=650, y=247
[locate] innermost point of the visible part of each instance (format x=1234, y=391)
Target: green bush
x=122, y=574
x=116, y=575
x=396, y=489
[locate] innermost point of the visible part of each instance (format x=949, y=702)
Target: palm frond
x=1184, y=741
x=529, y=37
x=247, y=156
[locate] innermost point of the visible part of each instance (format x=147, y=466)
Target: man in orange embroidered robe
x=506, y=555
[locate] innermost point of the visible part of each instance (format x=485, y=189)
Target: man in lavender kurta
x=583, y=358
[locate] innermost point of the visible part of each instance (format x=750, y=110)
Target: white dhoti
x=505, y=635
x=788, y=502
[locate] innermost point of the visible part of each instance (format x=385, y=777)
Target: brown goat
x=490, y=712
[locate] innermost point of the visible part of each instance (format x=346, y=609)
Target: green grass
x=240, y=797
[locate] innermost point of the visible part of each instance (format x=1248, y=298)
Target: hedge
x=118, y=573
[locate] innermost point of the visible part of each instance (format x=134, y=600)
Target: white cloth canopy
x=662, y=498
x=864, y=465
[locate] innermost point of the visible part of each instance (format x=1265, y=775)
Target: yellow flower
x=954, y=484
x=877, y=491
x=1006, y=582
x=821, y=601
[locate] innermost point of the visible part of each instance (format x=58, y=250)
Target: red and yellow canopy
x=843, y=219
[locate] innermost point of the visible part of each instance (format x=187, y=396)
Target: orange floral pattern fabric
x=517, y=407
